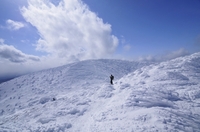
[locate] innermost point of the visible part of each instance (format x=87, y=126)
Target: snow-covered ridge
x=144, y=97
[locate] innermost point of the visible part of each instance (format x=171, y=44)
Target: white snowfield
x=145, y=97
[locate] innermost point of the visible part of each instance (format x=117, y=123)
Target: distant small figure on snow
x=111, y=79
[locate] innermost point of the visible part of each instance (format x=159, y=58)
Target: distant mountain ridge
x=6, y=79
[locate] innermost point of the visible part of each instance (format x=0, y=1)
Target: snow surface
x=145, y=97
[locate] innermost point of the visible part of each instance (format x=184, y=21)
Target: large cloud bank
x=70, y=30
x=12, y=54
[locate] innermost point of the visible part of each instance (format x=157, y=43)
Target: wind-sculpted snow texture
x=78, y=97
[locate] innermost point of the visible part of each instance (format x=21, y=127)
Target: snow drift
x=78, y=97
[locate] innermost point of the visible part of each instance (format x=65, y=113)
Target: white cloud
x=14, y=25
x=178, y=53
x=1, y=41
x=166, y=56
x=69, y=30
x=14, y=55
x=127, y=47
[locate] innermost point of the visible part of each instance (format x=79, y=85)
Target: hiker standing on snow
x=111, y=79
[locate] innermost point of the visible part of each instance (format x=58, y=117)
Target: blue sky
x=152, y=26
x=39, y=34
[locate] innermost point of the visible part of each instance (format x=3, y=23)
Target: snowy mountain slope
x=164, y=97
x=30, y=93
x=144, y=97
